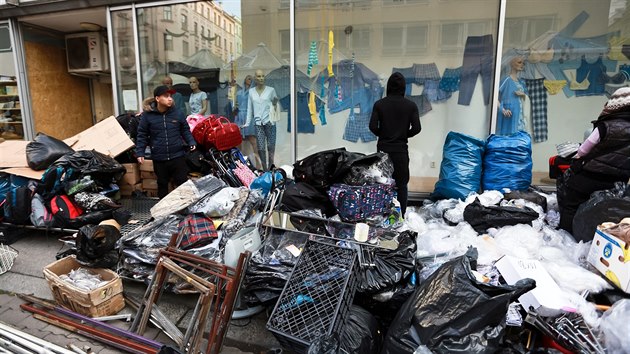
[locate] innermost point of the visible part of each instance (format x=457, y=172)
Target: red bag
x=223, y=134
x=199, y=131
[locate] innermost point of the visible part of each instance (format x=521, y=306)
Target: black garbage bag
x=528, y=195
x=361, y=333
x=145, y=242
x=607, y=205
x=44, y=150
x=101, y=167
x=326, y=344
x=452, y=312
x=481, y=218
x=95, y=246
x=389, y=266
x=385, y=305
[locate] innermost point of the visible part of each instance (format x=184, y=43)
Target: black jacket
x=611, y=156
x=394, y=118
x=167, y=133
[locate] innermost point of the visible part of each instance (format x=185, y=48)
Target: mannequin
x=198, y=100
x=261, y=99
x=248, y=133
x=512, y=93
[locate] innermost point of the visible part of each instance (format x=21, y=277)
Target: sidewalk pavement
x=38, y=249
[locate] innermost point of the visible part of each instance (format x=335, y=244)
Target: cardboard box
x=611, y=257
x=106, y=137
x=132, y=176
x=147, y=166
x=147, y=175
x=547, y=299
x=103, y=301
x=153, y=193
x=149, y=184
x=128, y=189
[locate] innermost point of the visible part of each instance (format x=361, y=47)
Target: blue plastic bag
x=268, y=181
x=508, y=162
x=460, y=171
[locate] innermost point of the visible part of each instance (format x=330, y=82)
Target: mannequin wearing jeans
x=261, y=99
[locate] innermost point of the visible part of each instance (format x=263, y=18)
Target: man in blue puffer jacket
x=166, y=131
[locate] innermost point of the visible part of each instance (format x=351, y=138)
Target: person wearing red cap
x=163, y=128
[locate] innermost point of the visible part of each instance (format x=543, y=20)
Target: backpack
x=64, y=210
x=54, y=180
x=318, y=169
x=17, y=205
x=40, y=216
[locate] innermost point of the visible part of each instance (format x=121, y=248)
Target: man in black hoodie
x=164, y=128
x=394, y=120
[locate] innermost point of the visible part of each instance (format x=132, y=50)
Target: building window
x=168, y=13
x=203, y=31
x=526, y=29
x=168, y=42
x=405, y=39
x=144, y=41
x=185, y=22
x=453, y=35
x=195, y=28
x=185, y=48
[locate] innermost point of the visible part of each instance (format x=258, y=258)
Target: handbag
x=274, y=112
x=223, y=135
x=269, y=181
x=193, y=120
x=355, y=203
x=200, y=129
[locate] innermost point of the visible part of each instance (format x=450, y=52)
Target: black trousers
x=175, y=169
x=401, y=176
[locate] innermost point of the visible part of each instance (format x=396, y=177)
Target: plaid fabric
x=538, y=99
x=357, y=127
x=355, y=203
x=196, y=230
x=423, y=103
x=423, y=72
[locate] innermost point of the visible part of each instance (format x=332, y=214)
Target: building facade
x=454, y=53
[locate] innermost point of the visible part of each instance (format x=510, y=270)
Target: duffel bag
x=356, y=203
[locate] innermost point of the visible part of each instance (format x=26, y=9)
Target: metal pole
x=33, y=339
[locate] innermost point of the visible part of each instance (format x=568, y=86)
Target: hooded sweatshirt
x=394, y=118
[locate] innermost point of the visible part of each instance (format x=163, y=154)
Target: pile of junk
x=481, y=267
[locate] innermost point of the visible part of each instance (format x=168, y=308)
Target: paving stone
x=15, y=316
x=30, y=322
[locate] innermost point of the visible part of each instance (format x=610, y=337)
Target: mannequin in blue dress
x=512, y=93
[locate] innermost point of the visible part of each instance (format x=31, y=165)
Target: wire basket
x=7, y=256
x=317, y=297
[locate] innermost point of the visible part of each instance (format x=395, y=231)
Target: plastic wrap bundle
x=186, y=194
x=271, y=266
x=508, y=162
x=460, y=170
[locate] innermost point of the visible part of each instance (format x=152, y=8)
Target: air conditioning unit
x=86, y=52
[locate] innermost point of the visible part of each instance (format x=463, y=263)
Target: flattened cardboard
x=24, y=172
x=106, y=137
x=13, y=153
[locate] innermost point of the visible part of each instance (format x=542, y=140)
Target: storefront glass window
x=572, y=57
x=371, y=40
x=11, y=124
